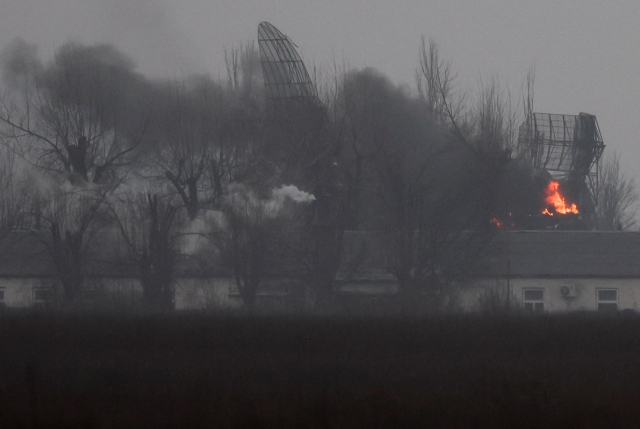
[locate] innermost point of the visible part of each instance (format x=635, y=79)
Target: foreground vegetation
x=189, y=370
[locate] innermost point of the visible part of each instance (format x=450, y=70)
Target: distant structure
x=285, y=76
x=567, y=146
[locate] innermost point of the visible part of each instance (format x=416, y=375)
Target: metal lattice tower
x=567, y=146
x=285, y=76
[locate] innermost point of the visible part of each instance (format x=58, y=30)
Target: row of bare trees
x=430, y=170
x=106, y=148
x=91, y=145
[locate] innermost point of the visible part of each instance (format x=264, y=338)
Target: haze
x=584, y=52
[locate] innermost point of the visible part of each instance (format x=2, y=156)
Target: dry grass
x=189, y=370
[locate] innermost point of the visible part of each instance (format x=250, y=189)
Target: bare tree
x=209, y=135
x=486, y=127
x=437, y=228
x=16, y=198
x=78, y=114
x=72, y=218
x=186, y=133
x=617, y=197
x=354, y=114
x=251, y=241
x=494, y=120
x=436, y=84
x=417, y=177
x=150, y=226
x=244, y=71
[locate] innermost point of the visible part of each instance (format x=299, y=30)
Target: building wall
x=118, y=292
x=586, y=293
x=19, y=292
x=204, y=293
x=215, y=293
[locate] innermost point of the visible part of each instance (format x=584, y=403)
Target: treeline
x=90, y=144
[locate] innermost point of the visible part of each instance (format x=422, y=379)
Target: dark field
x=303, y=372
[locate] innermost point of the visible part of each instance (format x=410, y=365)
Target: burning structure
x=568, y=149
x=567, y=146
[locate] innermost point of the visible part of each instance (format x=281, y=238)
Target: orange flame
x=496, y=222
x=555, y=199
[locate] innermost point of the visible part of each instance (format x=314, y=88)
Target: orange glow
x=496, y=222
x=555, y=199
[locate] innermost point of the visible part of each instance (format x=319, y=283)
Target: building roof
x=27, y=254
x=524, y=254
x=565, y=254
x=367, y=255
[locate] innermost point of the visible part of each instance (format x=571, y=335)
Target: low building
x=543, y=271
x=559, y=271
x=540, y=271
x=111, y=280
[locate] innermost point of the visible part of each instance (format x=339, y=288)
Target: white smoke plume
x=241, y=199
x=280, y=195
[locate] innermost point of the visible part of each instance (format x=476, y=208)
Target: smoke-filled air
x=260, y=174
x=305, y=218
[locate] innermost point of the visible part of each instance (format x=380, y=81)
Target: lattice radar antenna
x=285, y=76
x=567, y=146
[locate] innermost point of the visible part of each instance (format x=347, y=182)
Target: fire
x=555, y=199
x=496, y=222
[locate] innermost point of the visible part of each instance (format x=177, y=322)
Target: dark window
x=536, y=307
x=607, y=307
x=607, y=300
x=533, y=294
x=608, y=295
x=533, y=300
x=1, y=294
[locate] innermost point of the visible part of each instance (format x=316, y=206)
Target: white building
x=546, y=271
x=559, y=271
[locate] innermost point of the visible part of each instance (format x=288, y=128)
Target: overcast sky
x=586, y=52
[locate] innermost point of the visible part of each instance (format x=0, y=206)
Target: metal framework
x=563, y=145
x=285, y=76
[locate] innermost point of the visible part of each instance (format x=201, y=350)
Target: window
x=607, y=299
x=43, y=297
x=533, y=300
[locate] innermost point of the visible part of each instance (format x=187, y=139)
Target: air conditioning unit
x=568, y=291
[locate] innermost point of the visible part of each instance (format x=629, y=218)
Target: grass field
x=195, y=370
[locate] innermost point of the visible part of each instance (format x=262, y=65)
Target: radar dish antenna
x=285, y=76
x=567, y=146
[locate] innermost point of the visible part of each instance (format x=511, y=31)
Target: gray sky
x=585, y=52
